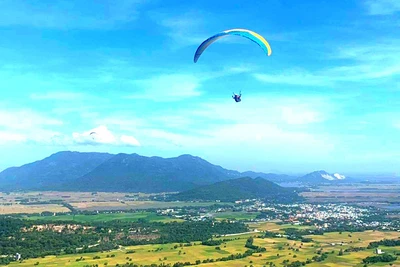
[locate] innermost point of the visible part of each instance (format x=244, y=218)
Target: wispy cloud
x=294, y=77
x=11, y=137
x=257, y=122
x=358, y=63
x=66, y=15
x=273, y=110
x=25, y=120
x=382, y=7
x=184, y=29
x=168, y=87
x=102, y=135
x=56, y=96
x=26, y=126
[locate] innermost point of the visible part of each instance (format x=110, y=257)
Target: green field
x=136, y=205
x=240, y=215
x=105, y=217
x=278, y=250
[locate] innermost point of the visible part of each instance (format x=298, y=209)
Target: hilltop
x=238, y=189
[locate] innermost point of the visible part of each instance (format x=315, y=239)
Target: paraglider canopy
x=253, y=36
x=92, y=134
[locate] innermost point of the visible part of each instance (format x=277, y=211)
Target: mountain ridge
x=92, y=171
x=152, y=174
x=59, y=167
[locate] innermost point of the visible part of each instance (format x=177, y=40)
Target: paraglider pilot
x=237, y=97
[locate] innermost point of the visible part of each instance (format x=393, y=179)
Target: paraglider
x=253, y=36
x=92, y=135
x=236, y=97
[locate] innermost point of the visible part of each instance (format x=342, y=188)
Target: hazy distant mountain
x=58, y=168
x=135, y=173
x=238, y=189
x=321, y=177
x=277, y=178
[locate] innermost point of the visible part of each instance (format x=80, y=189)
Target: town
x=321, y=216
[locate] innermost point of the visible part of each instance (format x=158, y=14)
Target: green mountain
x=135, y=173
x=75, y=171
x=59, y=168
x=273, y=177
x=238, y=189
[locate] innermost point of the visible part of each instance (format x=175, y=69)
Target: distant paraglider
x=236, y=97
x=92, y=134
x=253, y=36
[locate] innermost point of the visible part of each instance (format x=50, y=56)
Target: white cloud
x=382, y=7
x=339, y=176
x=168, y=87
x=10, y=137
x=101, y=135
x=26, y=126
x=130, y=140
x=162, y=138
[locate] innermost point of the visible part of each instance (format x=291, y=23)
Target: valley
x=210, y=216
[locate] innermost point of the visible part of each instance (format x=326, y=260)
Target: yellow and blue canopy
x=253, y=36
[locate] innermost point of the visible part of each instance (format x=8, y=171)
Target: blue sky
x=327, y=98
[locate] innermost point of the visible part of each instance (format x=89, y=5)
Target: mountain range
x=77, y=171
x=59, y=168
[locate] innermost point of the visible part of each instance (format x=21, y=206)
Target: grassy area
x=130, y=216
x=139, y=205
x=236, y=215
x=18, y=208
x=278, y=250
x=360, y=239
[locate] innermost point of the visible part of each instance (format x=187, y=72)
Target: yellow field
x=274, y=227
x=278, y=250
x=357, y=239
x=93, y=201
x=17, y=208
